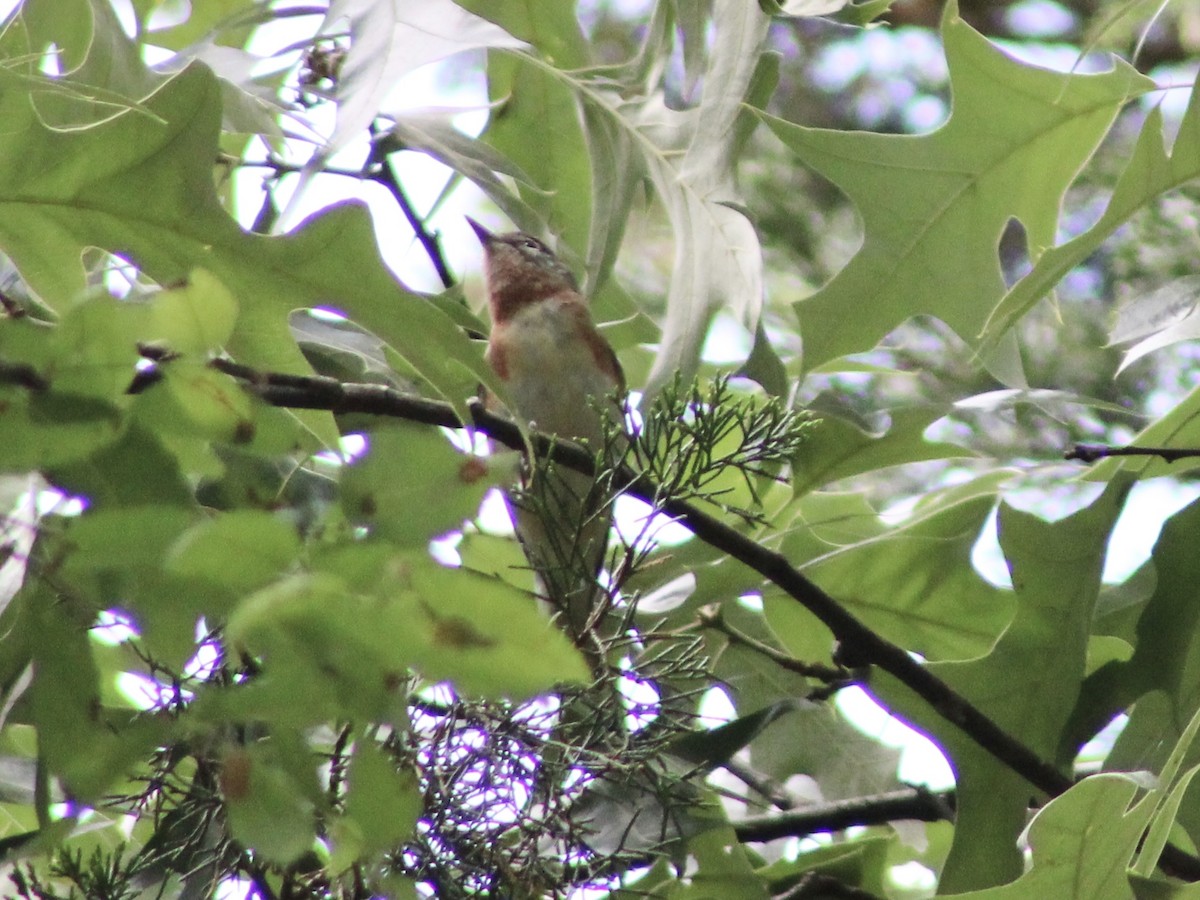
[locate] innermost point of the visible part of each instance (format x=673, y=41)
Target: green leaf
x=382, y=804
x=860, y=862
x=486, y=637
x=1178, y=428
x=204, y=18
x=75, y=742
x=615, y=175
x=934, y=207
x=216, y=551
x=128, y=539
x=551, y=26
x=1081, y=843
x=50, y=429
x=496, y=556
x=142, y=186
x=1151, y=171
x=1167, y=810
x=70, y=25
x=107, y=78
x=764, y=365
x=539, y=99
x=136, y=469
x=864, y=12
x=1160, y=889
x=195, y=318
x=321, y=641
x=195, y=401
x=916, y=585
x=413, y=486
x=835, y=449
x=799, y=745
x=1163, y=656
x=715, y=746
x=723, y=869
x=267, y=810
x=1027, y=685
x=95, y=347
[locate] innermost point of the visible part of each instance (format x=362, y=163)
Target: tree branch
x=761, y=784
x=379, y=170
x=858, y=642
x=879, y=809
x=1090, y=453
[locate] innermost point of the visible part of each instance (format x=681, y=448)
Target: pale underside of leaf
x=391, y=38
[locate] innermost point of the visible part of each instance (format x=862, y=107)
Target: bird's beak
x=485, y=236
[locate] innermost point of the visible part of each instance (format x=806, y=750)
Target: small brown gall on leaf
x=244, y=432
x=472, y=470
x=235, y=775
x=394, y=681
x=457, y=633
x=400, y=570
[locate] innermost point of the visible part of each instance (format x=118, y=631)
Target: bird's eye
x=530, y=244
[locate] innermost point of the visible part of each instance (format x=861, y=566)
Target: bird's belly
x=553, y=376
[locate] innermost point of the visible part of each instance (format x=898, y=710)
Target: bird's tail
x=563, y=521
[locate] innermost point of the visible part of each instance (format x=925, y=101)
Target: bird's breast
x=550, y=367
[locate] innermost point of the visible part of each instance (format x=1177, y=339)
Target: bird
x=561, y=375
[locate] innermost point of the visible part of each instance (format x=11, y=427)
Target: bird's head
x=520, y=270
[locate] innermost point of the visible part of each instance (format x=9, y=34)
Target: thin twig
x=1090, y=453
x=379, y=170
x=763, y=785
x=280, y=167
x=712, y=617
x=23, y=375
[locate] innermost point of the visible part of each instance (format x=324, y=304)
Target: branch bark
x=879, y=809
x=1090, y=453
